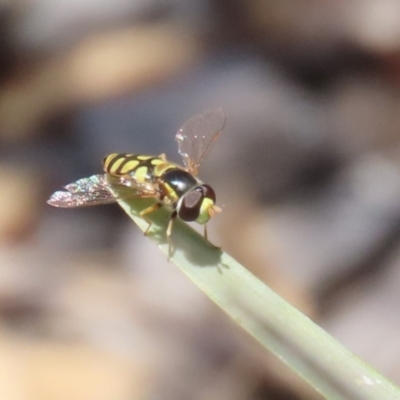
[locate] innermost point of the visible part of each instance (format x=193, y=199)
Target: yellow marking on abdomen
x=114, y=165
x=141, y=174
x=129, y=166
x=156, y=161
x=107, y=160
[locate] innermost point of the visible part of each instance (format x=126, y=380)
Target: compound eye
x=189, y=209
x=208, y=192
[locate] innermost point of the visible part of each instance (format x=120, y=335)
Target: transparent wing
x=197, y=136
x=99, y=189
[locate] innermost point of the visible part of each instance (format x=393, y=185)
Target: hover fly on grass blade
x=171, y=185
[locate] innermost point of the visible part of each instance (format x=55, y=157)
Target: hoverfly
x=171, y=185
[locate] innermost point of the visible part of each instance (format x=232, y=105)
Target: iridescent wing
x=99, y=189
x=196, y=137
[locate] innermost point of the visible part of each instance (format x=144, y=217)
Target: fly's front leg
x=206, y=237
x=205, y=232
x=169, y=231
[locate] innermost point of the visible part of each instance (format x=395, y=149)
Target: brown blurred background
x=307, y=171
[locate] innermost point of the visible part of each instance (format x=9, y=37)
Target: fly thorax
x=178, y=182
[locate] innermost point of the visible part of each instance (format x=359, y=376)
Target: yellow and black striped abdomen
x=142, y=167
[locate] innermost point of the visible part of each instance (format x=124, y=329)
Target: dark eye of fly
x=190, y=206
x=208, y=192
x=189, y=209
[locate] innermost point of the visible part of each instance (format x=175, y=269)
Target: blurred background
x=307, y=172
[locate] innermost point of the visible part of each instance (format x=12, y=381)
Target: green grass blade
x=306, y=348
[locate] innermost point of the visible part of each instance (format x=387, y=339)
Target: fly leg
x=163, y=157
x=149, y=210
x=169, y=231
x=205, y=232
x=206, y=237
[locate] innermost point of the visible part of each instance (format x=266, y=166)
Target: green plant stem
x=305, y=347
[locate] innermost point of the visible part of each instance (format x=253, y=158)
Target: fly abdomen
x=120, y=164
x=140, y=167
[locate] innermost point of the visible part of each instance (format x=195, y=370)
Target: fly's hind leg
x=149, y=210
